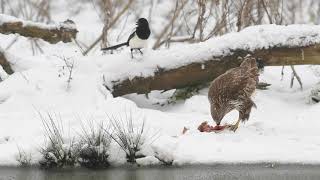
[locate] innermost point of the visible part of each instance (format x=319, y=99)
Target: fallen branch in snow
x=52, y=33
x=199, y=73
x=196, y=64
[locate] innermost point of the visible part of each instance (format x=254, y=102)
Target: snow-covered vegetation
x=59, y=78
x=94, y=146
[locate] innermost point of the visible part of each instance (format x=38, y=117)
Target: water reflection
x=217, y=172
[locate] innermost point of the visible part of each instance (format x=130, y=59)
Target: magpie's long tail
x=115, y=47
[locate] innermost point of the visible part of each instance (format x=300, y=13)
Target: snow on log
x=194, y=64
x=52, y=33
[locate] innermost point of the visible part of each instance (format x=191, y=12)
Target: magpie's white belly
x=136, y=42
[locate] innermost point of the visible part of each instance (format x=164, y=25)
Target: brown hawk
x=233, y=90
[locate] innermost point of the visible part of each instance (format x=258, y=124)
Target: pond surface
x=216, y=172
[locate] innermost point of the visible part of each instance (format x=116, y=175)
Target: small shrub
x=67, y=70
x=60, y=152
x=95, y=143
x=128, y=136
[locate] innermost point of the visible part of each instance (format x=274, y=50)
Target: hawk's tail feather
x=115, y=47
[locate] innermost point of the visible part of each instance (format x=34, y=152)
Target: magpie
x=138, y=39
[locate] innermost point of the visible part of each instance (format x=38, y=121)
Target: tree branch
x=52, y=33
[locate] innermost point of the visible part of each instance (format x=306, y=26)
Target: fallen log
x=52, y=33
x=199, y=73
x=298, y=48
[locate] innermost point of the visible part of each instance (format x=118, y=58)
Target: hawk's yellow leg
x=235, y=126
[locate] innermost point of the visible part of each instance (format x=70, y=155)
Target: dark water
x=216, y=172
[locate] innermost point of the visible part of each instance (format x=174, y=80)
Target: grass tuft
x=128, y=136
x=60, y=152
x=95, y=145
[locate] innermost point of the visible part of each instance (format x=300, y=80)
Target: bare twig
x=68, y=65
x=113, y=22
x=267, y=11
x=172, y=25
x=202, y=11
x=282, y=72
x=12, y=42
x=166, y=28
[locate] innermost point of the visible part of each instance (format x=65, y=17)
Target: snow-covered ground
x=284, y=128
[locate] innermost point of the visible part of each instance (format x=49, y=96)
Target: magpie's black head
x=142, y=22
x=142, y=30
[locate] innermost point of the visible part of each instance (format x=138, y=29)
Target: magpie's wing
x=131, y=36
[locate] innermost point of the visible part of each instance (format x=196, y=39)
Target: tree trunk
x=198, y=73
